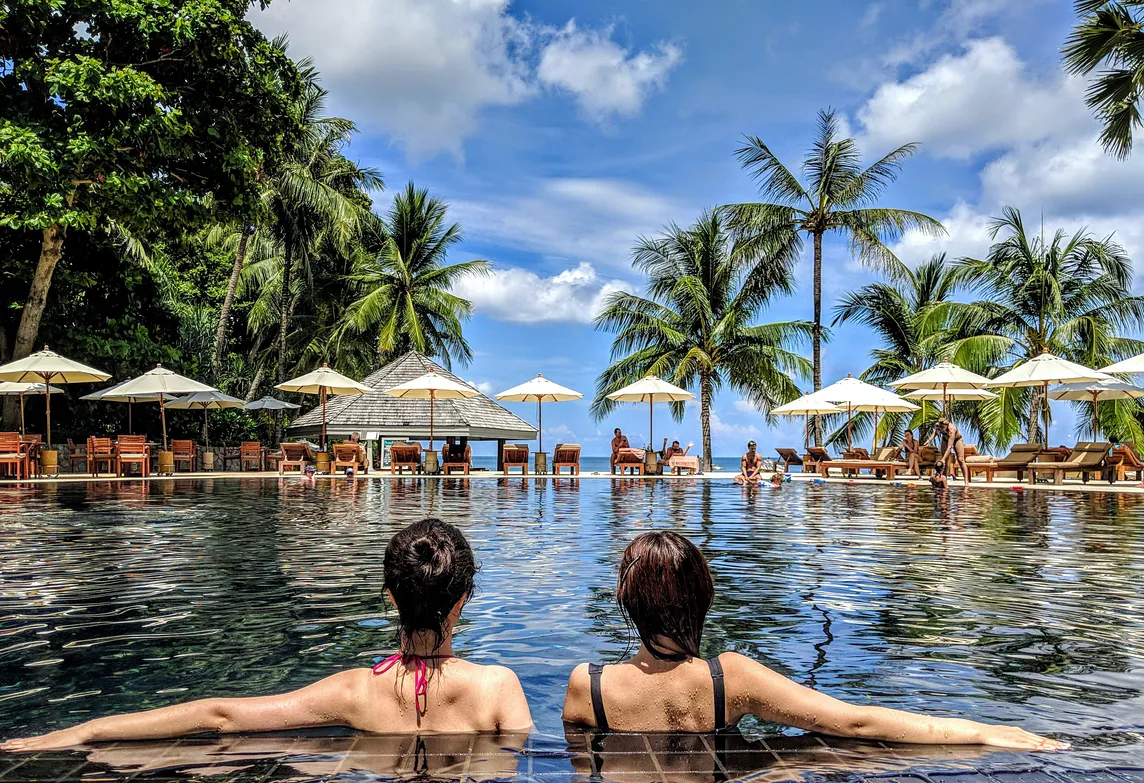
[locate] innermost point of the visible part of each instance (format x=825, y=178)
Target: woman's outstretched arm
x=755, y=689
x=329, y=702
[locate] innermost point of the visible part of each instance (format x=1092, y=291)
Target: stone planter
x=166, y=463
x=50, y=462
x=540, y=462
x=208, y=459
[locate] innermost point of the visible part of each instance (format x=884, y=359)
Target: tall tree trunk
x=705, y=420
x=817, y=337
x=285, y=307
x=51, y=250
x=254, y=384
x=228, y=302
x=1034, y=409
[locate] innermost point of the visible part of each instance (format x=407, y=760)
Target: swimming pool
x=1002, y=606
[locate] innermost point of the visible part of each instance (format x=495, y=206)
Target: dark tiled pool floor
x=627, y=758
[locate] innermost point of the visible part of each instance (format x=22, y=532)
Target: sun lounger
x=630, y=459
x=454, y=459
x=184, y=451
x=1125, y=460
x=789, y=457
x=1018, y=461
x=1086, y=458
x=515, y=455
x=349, y=455
x=815, y=456
x=294, y=455
x=566, y=455
x=876, y=467
x=132, y=449
x=682, y=462
x=405, y=455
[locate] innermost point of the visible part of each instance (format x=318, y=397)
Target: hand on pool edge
x=1017, y=738
x=56, y=740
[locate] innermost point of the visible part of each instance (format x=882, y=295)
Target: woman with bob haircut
x=665, y=590
x=424, y=687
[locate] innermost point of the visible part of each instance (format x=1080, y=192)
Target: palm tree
x=696, y=327
x=1071, y=295
x=839, y=195
x=405, y=289
x=1110, y=33
x=915, y=331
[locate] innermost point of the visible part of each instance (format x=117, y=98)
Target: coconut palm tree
x=696, y=327
x=405, y=289
x=839, y=196
x=915, y=333
x=1110, y=33
x=1069, y=295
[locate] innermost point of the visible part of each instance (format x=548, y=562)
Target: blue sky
x=559, y=132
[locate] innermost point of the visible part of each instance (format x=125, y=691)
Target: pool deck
x=1071, y=485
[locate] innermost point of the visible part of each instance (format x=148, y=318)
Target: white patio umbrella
x=1043, y=370
x=943, y=376
x=110, y=394
x=651, y=390
x=270, y=404
x=938, y=395
x=806, y=405
x=857, y=395
x=539, y=390
x=16, y=389
x=1133, y=366
x=208, y=400
x=432, y=387
x=1110, y=389
x=48, y=367
x=162, y=383
x=323, y=382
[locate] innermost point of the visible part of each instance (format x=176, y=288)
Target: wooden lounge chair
x=250, y=452
x=630, y=459
x=294, y=455
x=876, y=467
x=184, y=451
x=1017, y=460
x=815, y=456
x=100, y=450
x=349, y=455
x=132, y=449
x=32, y=446
x=452, y=458
x=682, y=462
x=1086, y=458
x=10, y=453
x=405, y=455
x=1125, y=460
x=566, y=455
x=789, y=457
x=515, y=456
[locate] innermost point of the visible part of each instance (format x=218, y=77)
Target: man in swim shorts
x=750, y=467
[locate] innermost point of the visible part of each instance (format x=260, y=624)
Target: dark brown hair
x=665, y=590
x=428, y=566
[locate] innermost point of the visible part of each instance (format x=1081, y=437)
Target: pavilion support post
x=500, y=455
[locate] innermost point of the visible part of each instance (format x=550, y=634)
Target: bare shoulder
x=578, y=701
x=500, y=676
x=578, y=679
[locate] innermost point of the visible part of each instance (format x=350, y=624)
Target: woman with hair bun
x=429, y=575
x=665, y=590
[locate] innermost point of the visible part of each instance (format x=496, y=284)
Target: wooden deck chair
x=630, y=459
x=1124, y=460
x=294, y=455
x=349, y=455
x=789, y=457
x=250, y=452
x=184, y=451
x=515, y=455
x=132, y=449
x=100, y=450
x=10, y=453
x=454, y=459
x=682, y=462
x=1017, y=460
x=566, y=455
x=1086, y=458
x=74, y=456
x=815, y=456
x=405, y=455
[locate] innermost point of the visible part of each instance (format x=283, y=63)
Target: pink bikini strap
x=420, y=676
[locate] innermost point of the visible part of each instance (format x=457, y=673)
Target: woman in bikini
x=665, y=590
x=429, y=571
x=953, y=444
x=910, y=448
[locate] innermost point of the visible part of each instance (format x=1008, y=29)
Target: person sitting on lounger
x=620, y=441
x=952, y=445
x=665, y=590
x=912, y=449
x=750, y=466
x=429, y=575
x=674, y=450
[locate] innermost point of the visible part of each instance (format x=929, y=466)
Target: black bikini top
x=595, y=670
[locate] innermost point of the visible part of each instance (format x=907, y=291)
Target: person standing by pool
x=429, y=575
x=665, y=590
x=750, y=466
x=619, y=441
x=952, y=445
x=911, y=449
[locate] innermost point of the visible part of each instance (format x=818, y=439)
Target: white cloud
x=561, y=434
x=721, y=429
x=982, y=98
x=424, y=71
x=745, y=406
x=604, y=77
x=521, y=296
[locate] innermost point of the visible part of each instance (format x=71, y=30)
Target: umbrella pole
x=130, y=427
x=22, y=414
x=431, y=397
x=48, y=406
x=651, y=423
x=806, y=432
x=849, y=412
x=944, y=399
x=875, y=429
x=163, y=419
x=1094, y=412
x=322, y=392
x=206, y=429
x=1046, y=414
x=540, y=422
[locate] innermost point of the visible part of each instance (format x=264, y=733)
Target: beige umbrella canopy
x=110, y=394
x=1133, y=366
x=1110, y=389
x=853, y=394
x=204, y=401
x=943, y=376
x=938, y=395
x=323, y=382
x=432, y=387
x=806, y=405
x=163, y=384
x=539, y=390
x=651, y=390
x=49, y=367
x=1043, y=370
x=17, y=389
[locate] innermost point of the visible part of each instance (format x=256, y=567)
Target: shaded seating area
x=566, y=455
x=295, y=455
x=788, y=457
x=515, y=455
x=630, y=460
x=405, y=455
x=1018, y=460
x=1086, y=459
x=132, y=450
x=349, y=455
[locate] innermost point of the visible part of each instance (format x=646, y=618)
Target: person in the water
x=750, y=466
x=429, y=575
x=665, y=590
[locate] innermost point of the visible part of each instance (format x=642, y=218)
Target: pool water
x=1007, y=607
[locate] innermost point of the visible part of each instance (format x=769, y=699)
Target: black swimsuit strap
x=594, y=672
x=720, y=693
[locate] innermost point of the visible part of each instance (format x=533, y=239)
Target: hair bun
x=425, y=550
